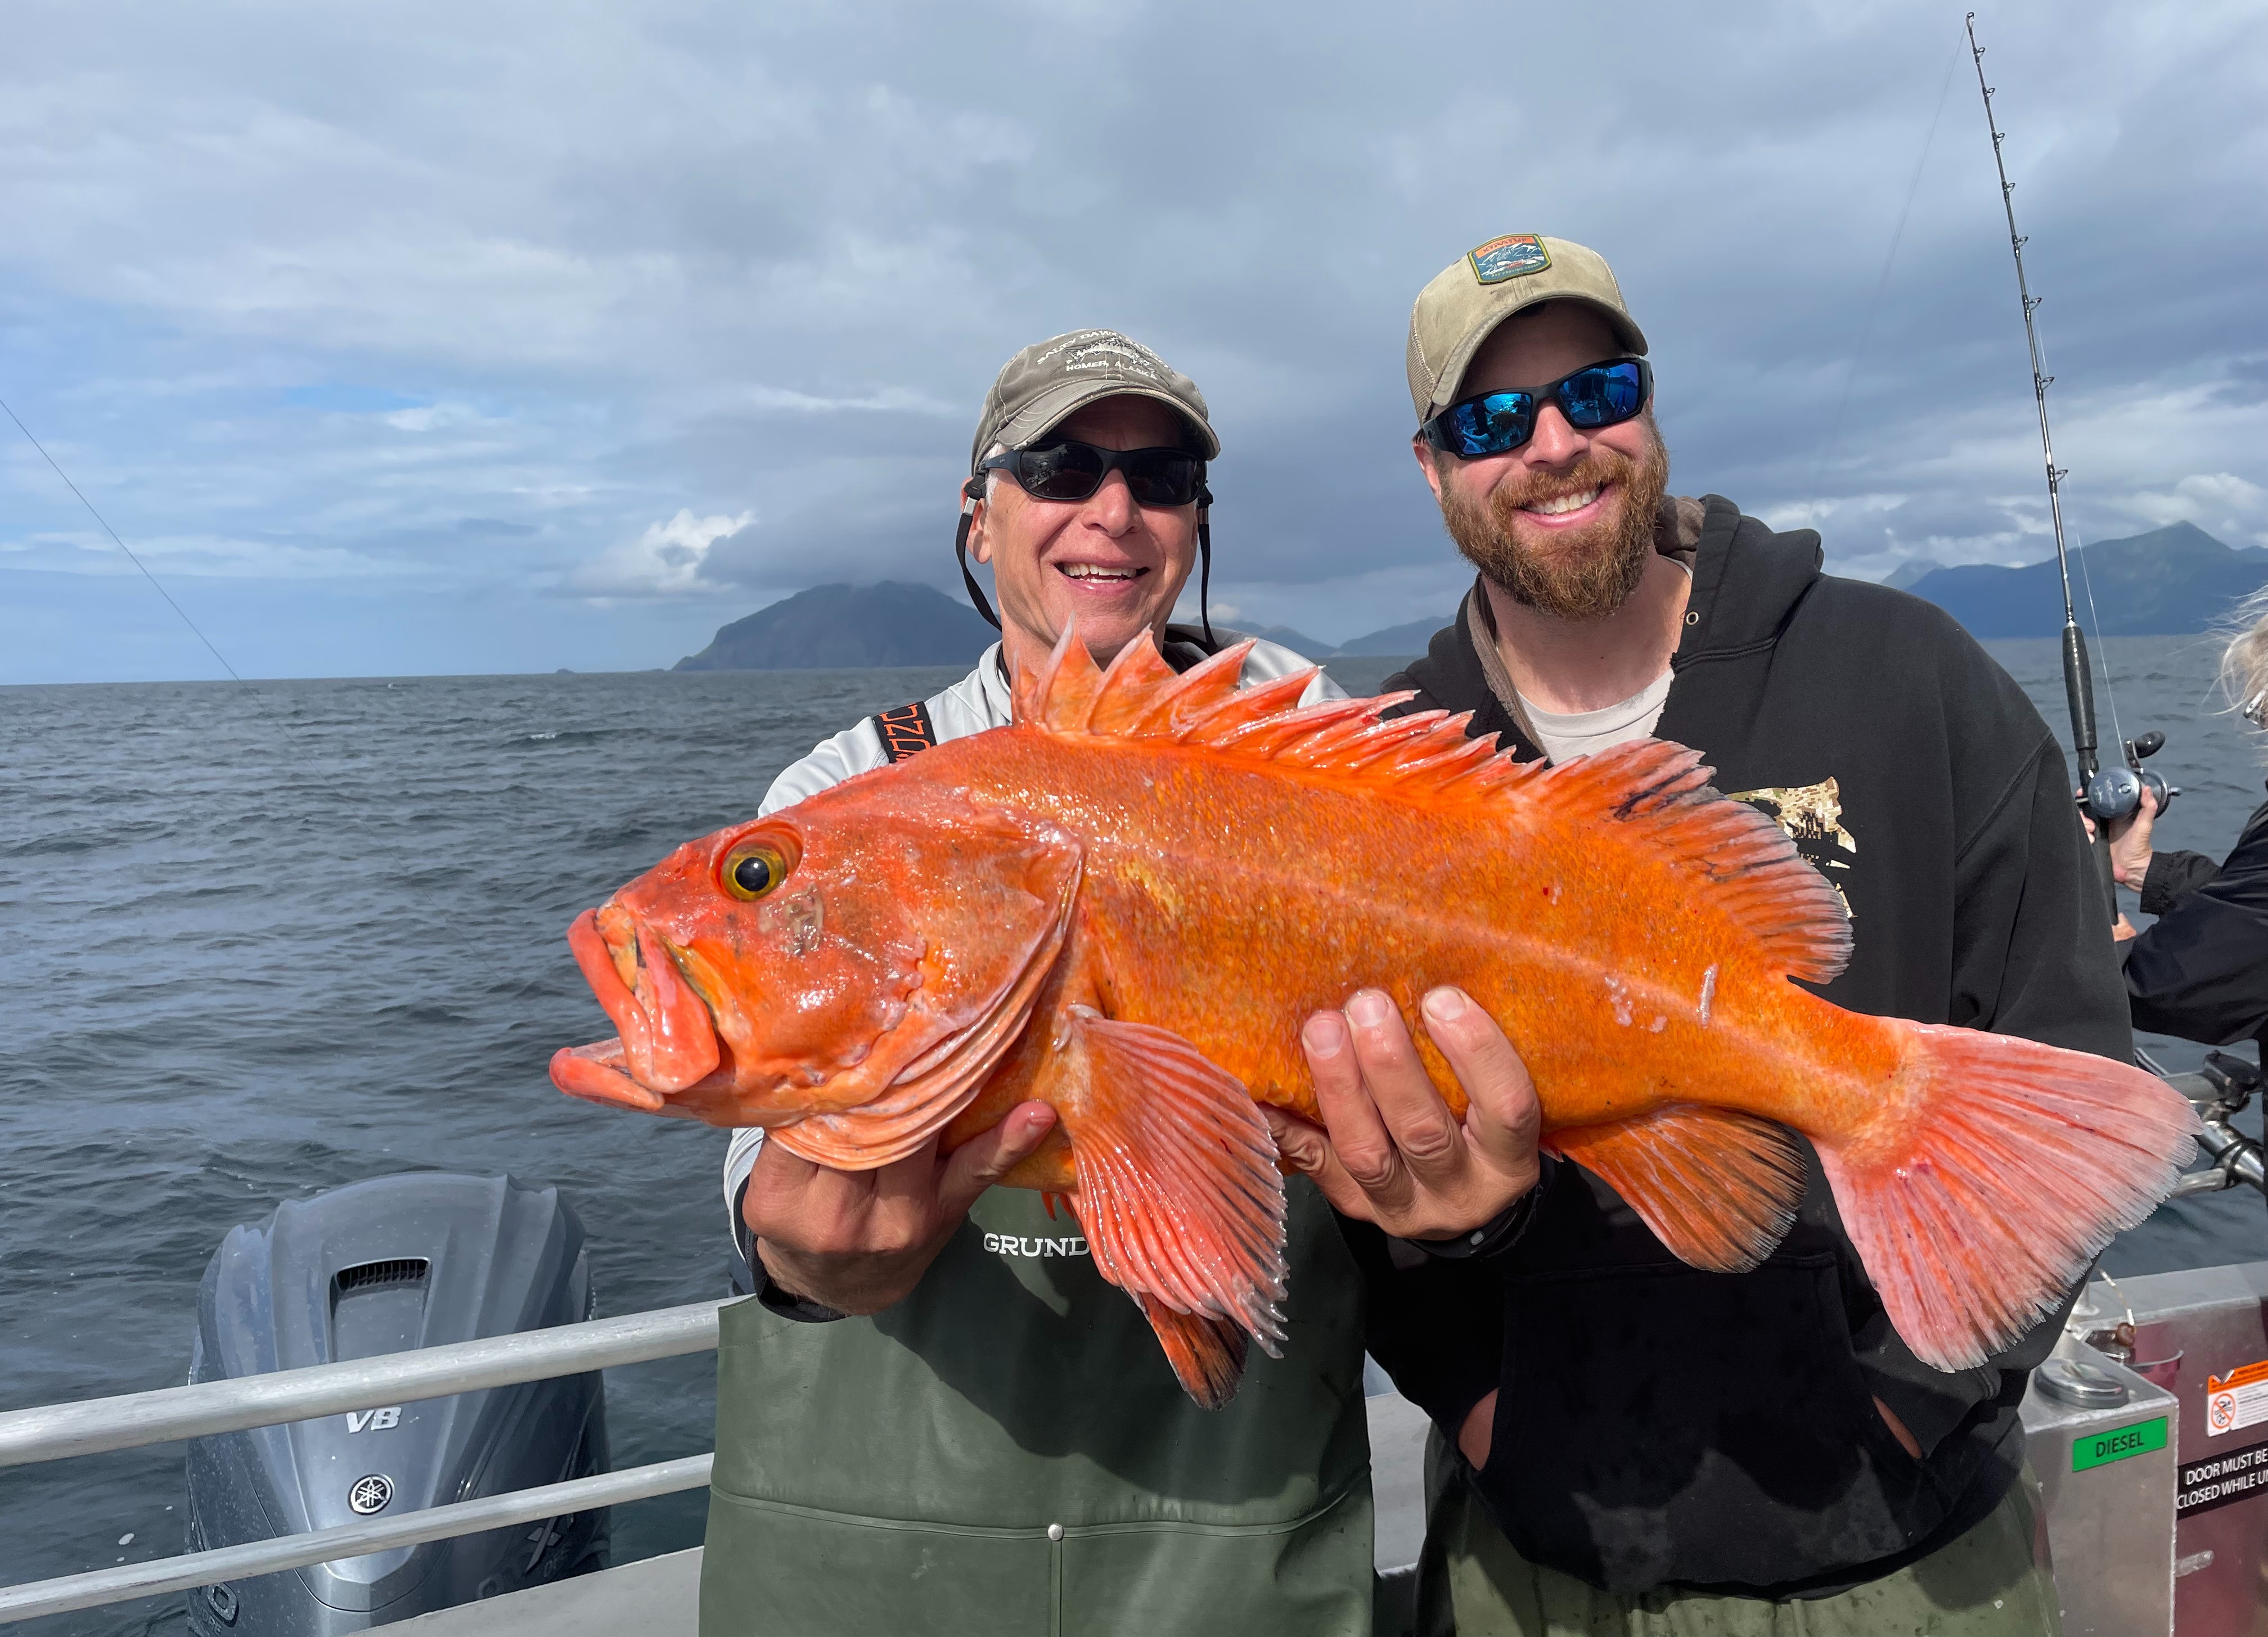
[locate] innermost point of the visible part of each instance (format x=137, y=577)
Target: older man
x=936, y=1416
x=1640, y=1447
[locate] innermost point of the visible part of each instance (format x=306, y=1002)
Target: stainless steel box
x=2106, y=1476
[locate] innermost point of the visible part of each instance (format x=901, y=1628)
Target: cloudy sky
x=445, y=338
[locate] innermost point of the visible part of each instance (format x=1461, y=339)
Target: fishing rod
x=2109, y=793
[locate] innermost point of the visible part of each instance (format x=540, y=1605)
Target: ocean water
x=264, y=939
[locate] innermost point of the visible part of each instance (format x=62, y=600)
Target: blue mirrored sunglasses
x=1597, y=395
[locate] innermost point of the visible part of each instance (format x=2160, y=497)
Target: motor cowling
x=380, y=1266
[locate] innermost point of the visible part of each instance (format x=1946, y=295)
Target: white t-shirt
x=1566, y=734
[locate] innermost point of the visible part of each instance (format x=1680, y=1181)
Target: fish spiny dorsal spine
x=1140, y=697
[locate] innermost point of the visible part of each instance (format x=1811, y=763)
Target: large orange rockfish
x=1126, y=904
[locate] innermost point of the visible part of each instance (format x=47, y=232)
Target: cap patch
x=1513, y=255
x=1105, y=352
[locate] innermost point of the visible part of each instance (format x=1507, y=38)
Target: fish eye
x=754, y=869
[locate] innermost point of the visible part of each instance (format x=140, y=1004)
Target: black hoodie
x=1662, y=1426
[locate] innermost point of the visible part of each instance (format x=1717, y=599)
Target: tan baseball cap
x=1048, y=380
x=1485, y=286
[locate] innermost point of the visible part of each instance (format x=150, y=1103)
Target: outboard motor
x=383, y=1266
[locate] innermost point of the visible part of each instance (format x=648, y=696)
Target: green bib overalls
x=1006, y=1453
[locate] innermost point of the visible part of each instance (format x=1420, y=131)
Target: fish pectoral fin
x=1719, y=1187
x=1178, y=1186
x=1207, y=1354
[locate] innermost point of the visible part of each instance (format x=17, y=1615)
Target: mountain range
x=2171, y=582
x=2174, y=581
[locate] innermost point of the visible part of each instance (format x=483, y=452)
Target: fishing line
x=2102, y=654
x=121, y=543
x=1874, y=305
x=304, y=755
x=2109, y=691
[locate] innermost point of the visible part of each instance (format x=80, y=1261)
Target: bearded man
x=1623, y=1443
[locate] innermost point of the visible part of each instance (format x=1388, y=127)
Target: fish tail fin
x=2016, y=1165
x=1207, y=1354
x=1178, y=1187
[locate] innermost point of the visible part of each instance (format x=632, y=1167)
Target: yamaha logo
x=370, y=1494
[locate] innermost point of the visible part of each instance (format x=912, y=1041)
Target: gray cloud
x=429, y=300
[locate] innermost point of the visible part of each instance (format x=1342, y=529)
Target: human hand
x=858, y=1241
x=1388, y=1152
x=2122, y=930
x=2130, y=842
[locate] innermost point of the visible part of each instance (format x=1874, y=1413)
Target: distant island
x=2171, y=582
x=861, y=627
x=847, y=627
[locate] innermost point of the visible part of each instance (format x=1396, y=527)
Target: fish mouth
x=594, y=1073
x=668, y=1042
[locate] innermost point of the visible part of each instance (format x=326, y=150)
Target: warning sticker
x=2234, y=1475
x=2237, y=1399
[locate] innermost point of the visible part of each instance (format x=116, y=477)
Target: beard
x=1583, y=573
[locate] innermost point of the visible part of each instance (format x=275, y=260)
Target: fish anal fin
x=1753, y=868
x=1718, y=1188
x=1178, y=1185
x=1207, y=1354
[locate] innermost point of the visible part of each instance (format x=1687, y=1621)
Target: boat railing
x=130, y=1421
x=2220, y=1092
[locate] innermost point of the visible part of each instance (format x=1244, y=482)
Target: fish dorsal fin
x=1755, y=871
x=1662, y=787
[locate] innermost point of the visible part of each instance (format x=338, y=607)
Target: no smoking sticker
x=2237, y=1400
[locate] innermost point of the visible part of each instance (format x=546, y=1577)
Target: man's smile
x=1106, y=573
x=1572, y=508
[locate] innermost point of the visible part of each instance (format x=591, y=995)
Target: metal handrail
x=49, y=1432
x=128, y=1421
x=349, y=1540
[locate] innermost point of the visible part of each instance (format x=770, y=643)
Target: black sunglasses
x=1597, y=395
x=1072, y=471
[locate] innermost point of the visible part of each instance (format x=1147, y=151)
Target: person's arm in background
x=2163, y=879
x=2201, y=972
x=2031, y=959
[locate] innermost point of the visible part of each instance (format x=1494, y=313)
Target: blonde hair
x=2244, y=662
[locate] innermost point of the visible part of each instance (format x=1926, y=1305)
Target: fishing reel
x=2116, y=792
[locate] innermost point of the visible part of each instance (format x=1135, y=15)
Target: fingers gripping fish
x=1126, y=905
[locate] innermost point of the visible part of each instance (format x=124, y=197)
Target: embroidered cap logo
x=1512, y=256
